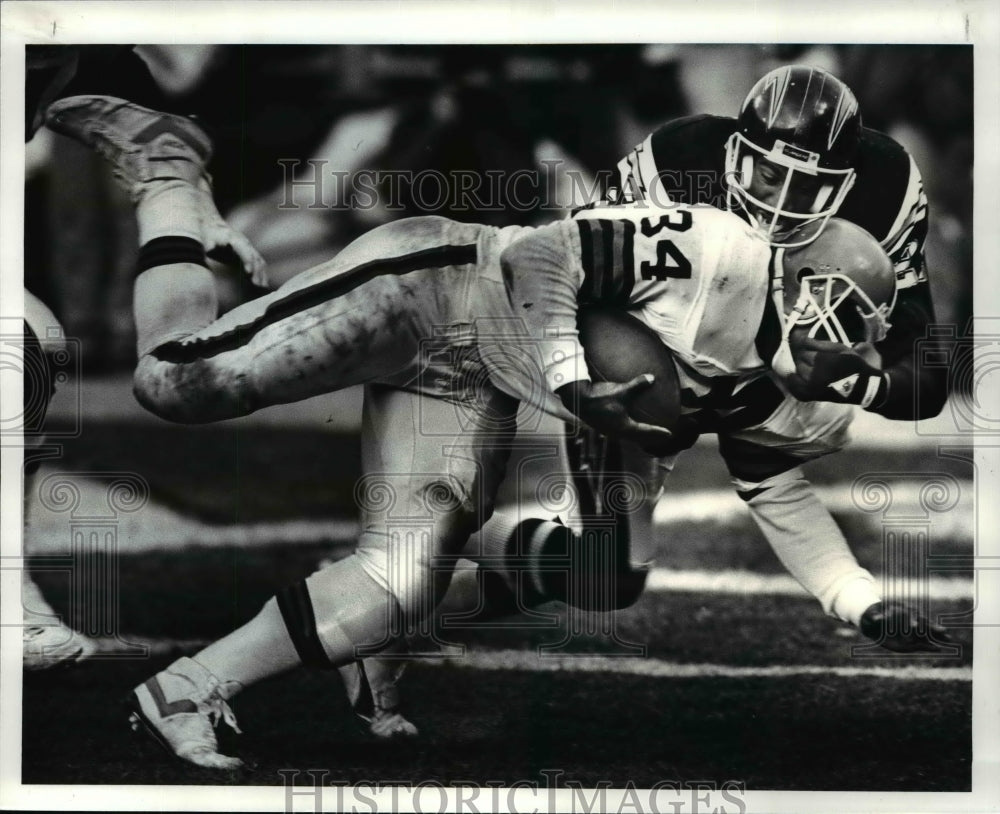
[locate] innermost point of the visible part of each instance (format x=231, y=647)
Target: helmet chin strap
x=782, y=362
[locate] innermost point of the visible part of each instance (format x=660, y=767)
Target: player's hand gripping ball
x=618, y=348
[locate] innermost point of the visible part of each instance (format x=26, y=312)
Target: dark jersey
x=684, y=161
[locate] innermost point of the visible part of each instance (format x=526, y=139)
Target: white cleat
x=180, y=708
x=147, y=148
x=53, y=644
x=372, y=688
x=143, y=146
x=390, y=725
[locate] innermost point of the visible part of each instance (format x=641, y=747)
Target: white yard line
x=659, y=668
x=909, y=499
x=155, y=527
x=750, y=583
x=531, y=661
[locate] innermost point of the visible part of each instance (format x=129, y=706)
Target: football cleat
x=372, y=688
x=143, y=146
x=53, y=644
x=180, y=708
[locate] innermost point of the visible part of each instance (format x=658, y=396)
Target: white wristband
x=871, y=390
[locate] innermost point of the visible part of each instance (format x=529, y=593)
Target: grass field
x=734, y=684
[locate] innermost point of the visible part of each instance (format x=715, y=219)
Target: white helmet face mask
x=825, y=300
x=782, y=227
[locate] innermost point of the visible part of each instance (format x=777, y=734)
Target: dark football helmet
x=791, y=160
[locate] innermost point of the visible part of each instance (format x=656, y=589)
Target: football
x=618, y=347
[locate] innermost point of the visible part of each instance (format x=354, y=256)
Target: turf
x=232, y=474
x=795, y=733
x=817, y=732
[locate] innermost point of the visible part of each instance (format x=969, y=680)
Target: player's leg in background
x=617, y=487
x=160, y=160
x=46, y=640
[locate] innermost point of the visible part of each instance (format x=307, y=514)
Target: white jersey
x=696, y=276
x=699, y=278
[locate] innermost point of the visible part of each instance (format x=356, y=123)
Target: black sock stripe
x=297, y=611
x=517, y=544
x=323, y=291
x=162, y=251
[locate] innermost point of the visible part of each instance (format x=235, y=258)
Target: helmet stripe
x=847, y=106
x=777, y=82
x=804, y=100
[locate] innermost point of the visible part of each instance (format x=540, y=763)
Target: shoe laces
x=213, y=702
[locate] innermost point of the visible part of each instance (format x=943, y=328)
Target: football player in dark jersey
x=796, y=154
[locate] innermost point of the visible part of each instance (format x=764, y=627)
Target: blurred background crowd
x=558, y=111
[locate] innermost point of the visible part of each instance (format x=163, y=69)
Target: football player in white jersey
x=797, y=154
x=449, y=326
x=765, y=435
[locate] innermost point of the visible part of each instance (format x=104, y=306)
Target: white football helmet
x=841, y=287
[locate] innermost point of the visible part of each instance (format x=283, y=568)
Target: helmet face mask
x=840, y=288
x=790, y=162
x=835, y=308
x=798, y=192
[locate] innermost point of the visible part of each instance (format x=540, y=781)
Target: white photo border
x=437, y=21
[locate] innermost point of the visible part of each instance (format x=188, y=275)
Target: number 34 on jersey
x=698, y=276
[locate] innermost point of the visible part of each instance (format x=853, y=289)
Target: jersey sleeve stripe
x=608, y=261
x=607, y=283
x=627, y=239
x=592, y=261
x=911, y=206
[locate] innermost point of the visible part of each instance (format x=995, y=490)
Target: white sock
x=170, y=209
